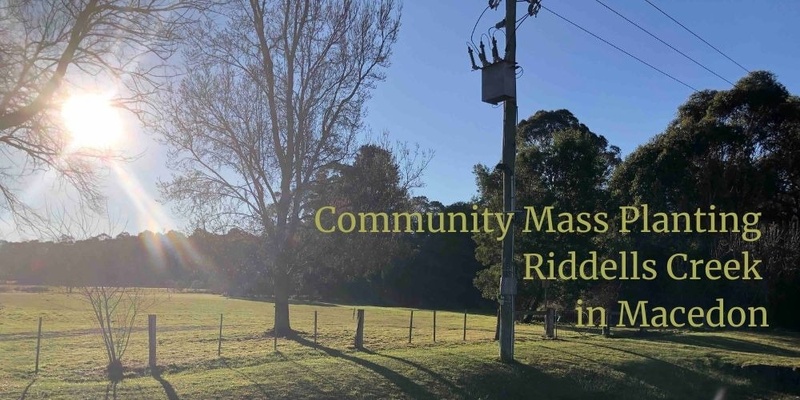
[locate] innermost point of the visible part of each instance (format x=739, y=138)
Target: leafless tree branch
x=273, y=95
x=48, y=47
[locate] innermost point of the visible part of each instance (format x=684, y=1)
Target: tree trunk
x=282, y=326
x=115, y=371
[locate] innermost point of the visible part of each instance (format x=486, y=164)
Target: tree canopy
x=733, y=150
x=273, y=95
x=560, y=162
x=737, y=150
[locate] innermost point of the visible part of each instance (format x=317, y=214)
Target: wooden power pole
x=499, y=84
x=508, y=279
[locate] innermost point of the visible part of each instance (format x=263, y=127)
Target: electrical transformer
x=498, y=82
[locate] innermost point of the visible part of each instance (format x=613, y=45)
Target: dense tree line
x=147, y=259
x=433, y=271
x=737, y=150
x=419, y=270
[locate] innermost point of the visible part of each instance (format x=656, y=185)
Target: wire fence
x=179, y=340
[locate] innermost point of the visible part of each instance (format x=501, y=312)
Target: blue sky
x=431, y=96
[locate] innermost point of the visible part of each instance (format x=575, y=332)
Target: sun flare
x=92, y=122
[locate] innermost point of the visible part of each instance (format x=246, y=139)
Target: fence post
x=275, y=329
x=315, y=328
x=497, y=327
x=555, y=327
x=359, y=342
x=410, y=326
x=465, y=326
x=38, y=342
x=434, y=326
x=550, y=323
x=151, y=330
x=219, y=345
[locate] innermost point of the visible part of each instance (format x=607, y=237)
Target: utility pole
x=508, y=279
x=499, y=83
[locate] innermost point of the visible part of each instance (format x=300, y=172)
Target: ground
x=658, y=365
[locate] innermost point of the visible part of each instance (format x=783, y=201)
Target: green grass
x=670, y=365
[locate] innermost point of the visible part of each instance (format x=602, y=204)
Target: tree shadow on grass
x=675, y=380
x=25, y=392
x=111, y=391
x=249, y=378
x=340, y=394
x=402, y=382
x=511, y=380
x=168, y=389
x=491, y=380
x=263, y=390
x=518, y=380
x=728, y=344
x=450, y=385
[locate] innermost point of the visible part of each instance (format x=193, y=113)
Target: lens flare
x=92, y=122
x=151, y=215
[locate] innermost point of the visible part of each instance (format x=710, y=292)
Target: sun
x=92, y=122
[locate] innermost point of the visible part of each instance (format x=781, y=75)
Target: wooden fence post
x=550, y=323
x=434, y=326
x=465, y=326
x=410, y=326
x=315, y=328
x=275, y=330
x=497, y=327
x=359, y=342
x=219, y=345
x=38, y=343
x=151, y=329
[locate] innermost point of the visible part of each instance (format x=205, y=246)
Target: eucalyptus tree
x=737, y=150
x=560, y=163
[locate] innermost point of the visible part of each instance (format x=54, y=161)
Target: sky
x=431, y=96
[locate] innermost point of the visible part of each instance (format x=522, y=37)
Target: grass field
x=660, y=365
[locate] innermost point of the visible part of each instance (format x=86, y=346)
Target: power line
x=620, y=49
x=521, y=20
x=662, y=41
x=471, y=36
x=697, y=36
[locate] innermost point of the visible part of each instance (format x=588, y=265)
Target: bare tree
x=114, y=306
x=48, y=46
x=115, y=310
x=273, y=95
